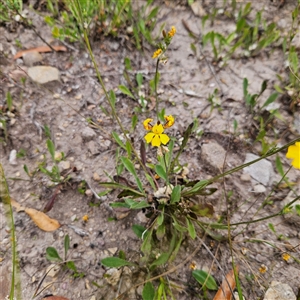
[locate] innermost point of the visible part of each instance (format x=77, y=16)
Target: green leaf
x=118, y=140
x=178, y=227
x=126, y=91
x=115, y=185
x=160, y=218
x=127, y=63
x=160, y=231
x=139, y=204
x=271, y=226
x=138, y=230
x=112, y=98
x=297, y=208
x=186, y=136
x=263, y=86
x=176, y=194
x=134, y=121
x=148, y=291
x=71, y=266
x=161, y=260
x=26, y=170
x=122, y=254
x=51, y=148
x=66, y=245
x=245, y=87
x=178, y=244
x=150, y=180
x=9, y=101
x=147, y=243
x=278, y=89
x=279, y=166
x=205, y=279
x=161, y=172
x=119, y=204
x=130, y=167
x=191, y=228
x=270, y=100
x=139, y=79
x=115, y=262
x=196, y=188
x=52, y=254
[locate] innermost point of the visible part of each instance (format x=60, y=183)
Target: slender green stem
x=270, y=153
x=113, y=111
x=268, y=217
x=155, y=87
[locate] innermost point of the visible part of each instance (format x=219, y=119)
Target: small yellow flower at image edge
x=157, y=136
x=157, y=53
x=294, y=154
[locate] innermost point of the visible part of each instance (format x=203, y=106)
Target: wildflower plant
x=171, y=201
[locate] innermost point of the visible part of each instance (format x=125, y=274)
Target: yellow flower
x=193, y=265
x=172, y=32
x=146, y=124
x=85, y=218
x=157, y=53
x=294, y=154
x=263, y=269
x=286, y=256
x=169, y=121
x=156, y=137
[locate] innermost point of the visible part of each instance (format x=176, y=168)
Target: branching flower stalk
x=114, y=114
x=159, y=54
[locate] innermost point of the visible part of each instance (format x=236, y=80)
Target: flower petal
x=149, y=136
x=158, y=129
x=169, y=121
x=294, y=154
x=164, y=138
x=156, y=141
x=146, y=124
x=296, y=163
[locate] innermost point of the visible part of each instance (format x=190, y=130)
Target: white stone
x=43, y=74
x=259, y=188
x=279, y=291
x=13, y=157
x=261, y=171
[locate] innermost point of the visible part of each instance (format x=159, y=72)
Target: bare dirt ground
x=65, y=105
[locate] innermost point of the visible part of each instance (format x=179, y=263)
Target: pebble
x=73, y=218
x=92, y=147
x=279, y=291
x=13, y=157
x=88, y=134
x=53, y=270
x=96, y=177
x=113, y=250
x=31, y=58
x=61, y=233
x=89, y=193
x=43, y=74
x=64, y=165
x=259, y=188
x=57, y=155
x=261, y=171
x=213, y=154
x=245, y=177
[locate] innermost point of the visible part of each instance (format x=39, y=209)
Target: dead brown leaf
x=227, y=286
x=39, y=218
x=55, y=298
x=42, y=220
x=40, y=49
